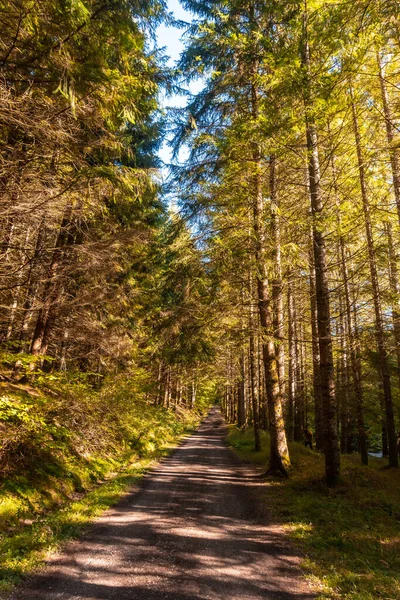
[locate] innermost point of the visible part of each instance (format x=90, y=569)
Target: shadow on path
x=196, y=531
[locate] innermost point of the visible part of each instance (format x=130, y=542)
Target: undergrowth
x=350, y=534
x=68, y=452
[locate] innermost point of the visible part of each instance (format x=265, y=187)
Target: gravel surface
x=196, y=530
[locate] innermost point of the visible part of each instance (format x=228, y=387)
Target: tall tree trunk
x=300, y=401
x=263, y=392
x=354, y=343
x=395, y=167
x=279, y=451
x=303, y=374
x=167, y=389
x=395, y=292
x=51, y=288
x=292, y=384
x=318, y=416
x=242, y=390
x=242, y=369
x=390, y=136
x=277, y=286
x=379, y=327
x=332, y=455
x=193, y=393
x=18, y=290
x=5, y=253
x=32, y=285
x=253, y=370
x=343, y=390
x=158, y=395
x=355, y=357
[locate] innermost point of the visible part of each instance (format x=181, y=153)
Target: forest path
x=195, y=531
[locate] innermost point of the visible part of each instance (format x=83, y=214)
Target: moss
x=349, y=534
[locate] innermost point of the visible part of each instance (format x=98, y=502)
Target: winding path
x=196, y=530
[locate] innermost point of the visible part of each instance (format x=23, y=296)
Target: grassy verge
x=350, y=534
x=66, y=454
x=25, y=546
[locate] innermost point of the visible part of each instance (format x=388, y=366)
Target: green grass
x=26, y=545
x=67, y=453
x=350, y=535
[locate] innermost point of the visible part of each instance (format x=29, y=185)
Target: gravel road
x=196, y=530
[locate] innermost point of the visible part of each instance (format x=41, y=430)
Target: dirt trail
x=195, y=531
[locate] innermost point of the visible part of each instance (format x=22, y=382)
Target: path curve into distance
x=196, y=530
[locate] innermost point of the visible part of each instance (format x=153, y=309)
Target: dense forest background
x=102, y=363
x=271, y=287
x=292, y=186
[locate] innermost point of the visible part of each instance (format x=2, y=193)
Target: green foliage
x=182, y=329
x=350, y=534
x=80, y=117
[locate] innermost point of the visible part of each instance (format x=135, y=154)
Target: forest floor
x=350, y=534
x=197, y=529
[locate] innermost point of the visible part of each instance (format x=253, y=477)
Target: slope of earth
x=197, y=530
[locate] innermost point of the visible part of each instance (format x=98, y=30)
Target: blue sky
x=170, y=36
x=170, y=39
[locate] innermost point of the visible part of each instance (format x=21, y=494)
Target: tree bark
x=355, y=358
x=51, y=288
x=390, y=136
x=292, y=386
x=318, y=416
x=379, y=327
x=332, y=455
x=354, y=343
x=279, y=452
x=254, y=388
x=395, y=292
x=277, y=286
